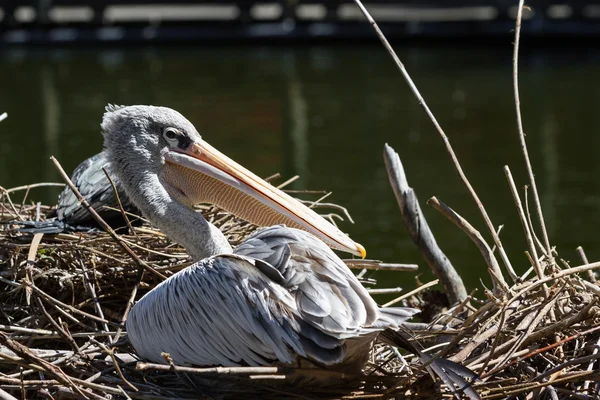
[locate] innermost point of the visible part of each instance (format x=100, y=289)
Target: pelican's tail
x=393, y=317
x=452, y=374
x=54, y=226
x=50, y=227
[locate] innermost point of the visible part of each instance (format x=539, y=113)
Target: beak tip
x=361, y=250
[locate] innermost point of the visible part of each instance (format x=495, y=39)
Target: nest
x=65, y=298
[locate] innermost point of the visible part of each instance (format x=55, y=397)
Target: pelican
x=281, y=297
x=94, y=186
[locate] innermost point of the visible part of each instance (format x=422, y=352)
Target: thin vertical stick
x=88, y=283
x=449, y=148
x=536, y=240
x=513, y=189
x=536, y=197
x=130, y=302
x=500, y=227
x=585, y=261
x=118, y=198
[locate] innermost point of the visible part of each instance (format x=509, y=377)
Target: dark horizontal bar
x=450, y=18
x=276, y=31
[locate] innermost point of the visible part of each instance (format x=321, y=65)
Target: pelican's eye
x=176, y=138
x=171, y=134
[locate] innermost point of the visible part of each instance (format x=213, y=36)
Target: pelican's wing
x=328, y=297
x=224, y=311
x=327, y=294
x=90, y=180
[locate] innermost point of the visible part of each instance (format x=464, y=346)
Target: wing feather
x=327, y=294
x=90, y=180
x=217, y=312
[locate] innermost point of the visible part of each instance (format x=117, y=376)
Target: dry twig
x=419, y=230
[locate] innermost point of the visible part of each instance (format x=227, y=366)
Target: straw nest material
x=64, y=299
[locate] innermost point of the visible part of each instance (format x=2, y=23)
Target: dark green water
x=325, y=113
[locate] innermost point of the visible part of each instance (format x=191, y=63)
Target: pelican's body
x=94, y=186
x=281, y=295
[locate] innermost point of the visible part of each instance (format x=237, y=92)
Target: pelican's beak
x=202, y=174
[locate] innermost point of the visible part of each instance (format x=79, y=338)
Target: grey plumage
x=94, y=186
x=71, y=216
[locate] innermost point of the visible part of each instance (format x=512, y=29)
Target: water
x=325, y=113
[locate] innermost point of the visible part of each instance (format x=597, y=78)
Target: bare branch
x=536, y=197
x=419, y=231
x=500, y=285
x=377, y=265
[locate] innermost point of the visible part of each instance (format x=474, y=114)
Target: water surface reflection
x=325, y=113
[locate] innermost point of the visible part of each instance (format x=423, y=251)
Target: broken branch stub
x=419, y=230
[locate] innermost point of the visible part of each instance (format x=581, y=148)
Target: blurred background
x=304, y=88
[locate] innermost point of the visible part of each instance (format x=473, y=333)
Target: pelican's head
x=162, y=142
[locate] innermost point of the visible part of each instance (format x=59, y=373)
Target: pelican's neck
x=200, y=238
